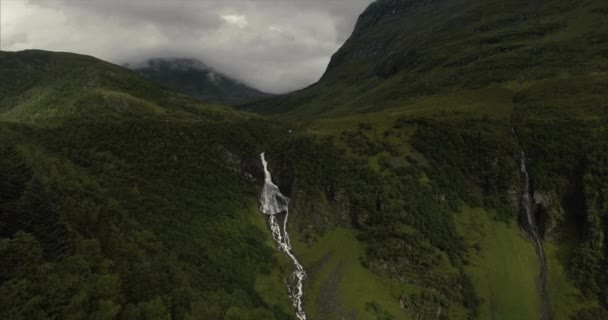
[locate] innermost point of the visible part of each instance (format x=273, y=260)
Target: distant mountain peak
x=177, y=63
x=195, y=78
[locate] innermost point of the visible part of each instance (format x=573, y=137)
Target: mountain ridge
x=44, y=86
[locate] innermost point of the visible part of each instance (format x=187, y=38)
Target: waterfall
x=530, y=227
x=272, y=202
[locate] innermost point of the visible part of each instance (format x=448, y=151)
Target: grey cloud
x=14, y=39
x=275, y=45
x=173, y=14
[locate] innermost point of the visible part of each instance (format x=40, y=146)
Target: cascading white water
x=531, y=228
x=526, y=202
x=272, y=202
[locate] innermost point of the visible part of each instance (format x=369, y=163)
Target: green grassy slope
x=339, y=287
x=504, y=267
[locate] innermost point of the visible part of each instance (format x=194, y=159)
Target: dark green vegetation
x=567, y=146
x=407, y=228
x=123, y=200
x=110, y=210
x=194, y=78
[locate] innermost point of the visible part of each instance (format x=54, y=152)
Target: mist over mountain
x=194, y=78
x=274, y=45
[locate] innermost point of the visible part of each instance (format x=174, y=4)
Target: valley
x=452, y=163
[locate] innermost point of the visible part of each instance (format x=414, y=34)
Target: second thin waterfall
x=530, y=226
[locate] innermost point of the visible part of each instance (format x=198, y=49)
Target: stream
x=530, y=227
x=272, y=202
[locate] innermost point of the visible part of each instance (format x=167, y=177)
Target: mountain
x=404, y=51
x=43, y=87
x=451, y=164
x=194, y=78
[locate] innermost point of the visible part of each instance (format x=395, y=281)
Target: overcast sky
x=274, y=45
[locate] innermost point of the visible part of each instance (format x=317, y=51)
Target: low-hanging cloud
x=274, y=45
